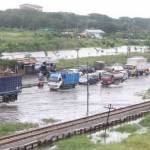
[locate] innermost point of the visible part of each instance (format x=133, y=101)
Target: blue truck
x=10, y=86
x=63, y=80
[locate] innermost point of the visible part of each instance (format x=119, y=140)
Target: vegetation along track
x=49, y=132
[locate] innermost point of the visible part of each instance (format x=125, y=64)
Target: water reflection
x=9, y=113
x=35, y=104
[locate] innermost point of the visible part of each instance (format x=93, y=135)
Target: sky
x=112, y=8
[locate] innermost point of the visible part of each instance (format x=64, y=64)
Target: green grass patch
x=8, y=128
x=71, y=63
x=128, y=128
x=35, y=40
x=111, y=59
x=145, y=121
x=24, y=40
x=76, y=143
x=49, y=120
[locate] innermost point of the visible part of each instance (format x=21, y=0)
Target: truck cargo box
x=9, y=84
x=70, y=78
x=139, y=62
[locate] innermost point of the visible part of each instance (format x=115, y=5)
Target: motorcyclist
x=43, y=69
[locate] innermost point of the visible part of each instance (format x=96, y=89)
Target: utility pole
x=109, y=107
x=130, y=36
x=128, y=47
x=87, y=113
x=77, y=50
x=78, y=43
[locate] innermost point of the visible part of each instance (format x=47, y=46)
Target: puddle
x=113, y=137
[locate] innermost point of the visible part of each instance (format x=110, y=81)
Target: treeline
x=33, y=20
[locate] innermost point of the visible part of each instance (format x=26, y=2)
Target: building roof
x=137, y=58
x=31, y=5
x=94, y=31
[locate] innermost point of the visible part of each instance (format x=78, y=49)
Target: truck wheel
x=13, y=98
x=73, y=86
x=117, y=82
x=6, y=99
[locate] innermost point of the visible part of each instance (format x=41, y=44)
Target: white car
x=100, y=73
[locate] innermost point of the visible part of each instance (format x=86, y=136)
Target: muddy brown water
x=34, y=104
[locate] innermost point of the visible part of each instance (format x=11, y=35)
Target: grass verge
x=145, y=121
x=8, y=128
x=128, y=128
x=76, y=143
x=111, y=59
x=49, y=120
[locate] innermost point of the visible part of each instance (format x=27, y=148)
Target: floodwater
x=35, y=104
x=113, y=137
x=71, y=54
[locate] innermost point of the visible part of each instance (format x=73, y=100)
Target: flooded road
x=35, y=104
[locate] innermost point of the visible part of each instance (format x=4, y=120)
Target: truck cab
x=55, y=80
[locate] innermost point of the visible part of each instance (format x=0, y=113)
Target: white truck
x=139, y=63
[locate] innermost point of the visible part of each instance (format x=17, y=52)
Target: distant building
x=31, y=7
x=67, y=34
x=93, y=33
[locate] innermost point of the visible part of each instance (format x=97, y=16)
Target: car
x=93, y=78
x=100, y=73
x=112, y=78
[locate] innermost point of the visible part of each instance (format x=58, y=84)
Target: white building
x=94, y=33
x=31, y=7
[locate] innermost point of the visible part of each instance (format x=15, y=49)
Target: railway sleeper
x=91, y=129
x=86, y=130
x=118, y=121
x=30, y=146
x=100, y=126
x=53, y=138
x=81, y=131
x=113, y=123
x=103, y=125
x=97, y=128
x=77, y=132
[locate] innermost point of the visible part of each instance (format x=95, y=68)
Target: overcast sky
x=113, y=8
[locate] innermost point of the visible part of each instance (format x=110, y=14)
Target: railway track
x=38, y=135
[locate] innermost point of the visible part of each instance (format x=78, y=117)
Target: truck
x=99, y=65
x=10, y=86
x=63, y=80
x=139, y=66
